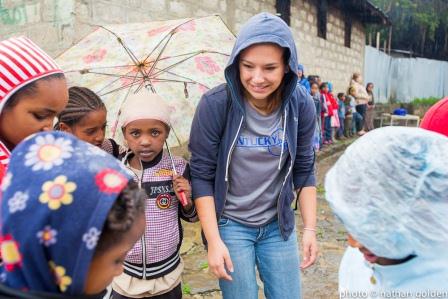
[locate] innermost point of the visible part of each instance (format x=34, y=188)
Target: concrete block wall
x=47, y=22
x=328, y=58
x=57, y=24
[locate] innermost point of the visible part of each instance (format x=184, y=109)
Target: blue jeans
x=340, y=132
x=328, y=129
x=277, y=261
x=361, y=109
x=356, y=122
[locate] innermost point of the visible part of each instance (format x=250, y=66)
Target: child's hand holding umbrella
x=182, y=189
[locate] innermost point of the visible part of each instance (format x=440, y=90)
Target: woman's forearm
x=308, y=206
x=205, y=207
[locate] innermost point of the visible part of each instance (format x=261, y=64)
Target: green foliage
x=186, y=289
x=342, y=232
x=320, y=233
x=203, y=266
x=320, y=189
x=425, y=101
x=419, y=26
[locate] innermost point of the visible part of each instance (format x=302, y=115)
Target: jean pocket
x=223, y=222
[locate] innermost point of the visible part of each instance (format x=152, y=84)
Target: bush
x=425, y=101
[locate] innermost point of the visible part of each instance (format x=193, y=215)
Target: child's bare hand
x=181, y=184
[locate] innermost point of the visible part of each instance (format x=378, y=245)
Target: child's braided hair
x=81, y=101
x=129, y=205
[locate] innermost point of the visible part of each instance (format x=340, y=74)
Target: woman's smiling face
x=261, y=68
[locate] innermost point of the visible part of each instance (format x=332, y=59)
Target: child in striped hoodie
x=153, y=267
x=33, y=91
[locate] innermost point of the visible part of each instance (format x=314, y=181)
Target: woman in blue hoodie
x=252, y=147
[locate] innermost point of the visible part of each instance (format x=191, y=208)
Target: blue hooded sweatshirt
x=221, y=114
x=57, y=194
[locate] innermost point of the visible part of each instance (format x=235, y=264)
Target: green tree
x=420, y=26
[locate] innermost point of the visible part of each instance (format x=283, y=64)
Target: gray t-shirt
x=254, y=178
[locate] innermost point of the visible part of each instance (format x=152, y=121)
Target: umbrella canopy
x=178, y=59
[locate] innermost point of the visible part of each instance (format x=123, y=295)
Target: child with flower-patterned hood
x=70, y=212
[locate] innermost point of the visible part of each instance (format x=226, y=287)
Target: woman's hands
x=219, y=261
x=309, y=248
x=308, y=208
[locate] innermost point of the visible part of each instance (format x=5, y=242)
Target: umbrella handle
x=183, y=198
x=114, y=128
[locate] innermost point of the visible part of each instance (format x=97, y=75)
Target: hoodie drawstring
x=283, y=140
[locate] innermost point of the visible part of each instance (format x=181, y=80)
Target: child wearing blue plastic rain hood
x=70, y=213
x=397, y=222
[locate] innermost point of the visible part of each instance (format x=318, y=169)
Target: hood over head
x=436, y=118
x=263, y=28
x=57, y=194
x=395, y=202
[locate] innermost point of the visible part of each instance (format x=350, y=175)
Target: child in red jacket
x=331, y=120
x=335, y=122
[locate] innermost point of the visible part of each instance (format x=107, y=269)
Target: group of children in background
x=336, y=117
x=33, y=91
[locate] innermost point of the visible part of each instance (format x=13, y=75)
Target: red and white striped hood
x=22, y=62
x=4, y=156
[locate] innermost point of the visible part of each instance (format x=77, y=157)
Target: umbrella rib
x=130, y=53
x=121, y=88
x=175, y=64
x=150, y=85
x=155, y=48
x=191, y=80
x=111, y=75
x=173, y=80
x=169, y=34
x=160, y=54
x=202, y=51
x=129, y=90
x=113, y=81
x=193, y=54
x=87, y=70
x=114, y=130
x=121, y=42
x=180, y=76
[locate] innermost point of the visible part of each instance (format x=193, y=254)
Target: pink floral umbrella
x=178, y=59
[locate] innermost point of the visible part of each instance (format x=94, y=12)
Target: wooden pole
x=378, y=40
x=390, y=39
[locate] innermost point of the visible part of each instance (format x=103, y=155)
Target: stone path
x=318, y=282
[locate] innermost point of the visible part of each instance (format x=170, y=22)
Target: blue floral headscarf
x=57, y=194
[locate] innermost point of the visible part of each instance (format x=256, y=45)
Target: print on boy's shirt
x=273, y=143
x=154, y=189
